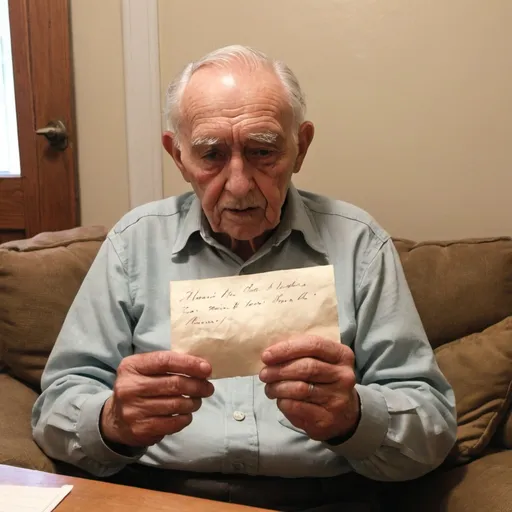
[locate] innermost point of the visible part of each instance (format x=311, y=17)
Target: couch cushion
x=459, y=287
x=479, y=368
x=484, y=485
x=504, y=434
x=39, y=279
x=17, y=447
x=507, y=431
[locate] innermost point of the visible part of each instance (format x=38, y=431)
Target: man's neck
x=245, y=249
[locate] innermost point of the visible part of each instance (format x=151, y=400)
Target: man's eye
x=261, y=153
x=212, y=155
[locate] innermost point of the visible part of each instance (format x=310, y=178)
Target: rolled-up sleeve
x=408, y=419
x=80, y=374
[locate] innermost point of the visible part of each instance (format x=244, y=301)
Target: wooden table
x=89, y=495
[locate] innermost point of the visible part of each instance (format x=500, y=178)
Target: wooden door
x=44, y=197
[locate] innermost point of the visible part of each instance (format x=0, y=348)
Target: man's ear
x=169, y=143
x=305, y=136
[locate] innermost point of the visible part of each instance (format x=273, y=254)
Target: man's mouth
x=242, y=211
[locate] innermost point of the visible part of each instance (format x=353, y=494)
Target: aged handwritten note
x=229, y=321
x=22, y=498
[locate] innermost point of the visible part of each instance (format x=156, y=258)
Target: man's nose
x=240, y=181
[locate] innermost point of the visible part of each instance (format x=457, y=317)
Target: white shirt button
x=239, y=416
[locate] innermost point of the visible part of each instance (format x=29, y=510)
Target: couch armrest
x=17, y=447
x=483, y=484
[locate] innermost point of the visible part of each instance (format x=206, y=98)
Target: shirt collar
x=192, y=222
x=296, y=217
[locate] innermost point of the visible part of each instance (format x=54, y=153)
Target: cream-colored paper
x=229, y=321
x=22, y=498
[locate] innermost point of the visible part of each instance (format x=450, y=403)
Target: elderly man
x=116, y=400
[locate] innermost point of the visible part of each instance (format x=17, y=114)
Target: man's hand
x=154, y=395
x=313, y=381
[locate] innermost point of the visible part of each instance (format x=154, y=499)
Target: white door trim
x=142, y=96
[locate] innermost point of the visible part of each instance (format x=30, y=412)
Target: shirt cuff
x=89, y=435
x=372, y=428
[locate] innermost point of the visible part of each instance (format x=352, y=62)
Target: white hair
x=226, y=56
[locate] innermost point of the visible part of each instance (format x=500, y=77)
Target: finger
x=306, y=346
x=160, y=406
x=165, y=361
x=154, y=429
x=169, y=385
x=315, y=420
x=303, y=415
x=305, y=369
x=299, y=390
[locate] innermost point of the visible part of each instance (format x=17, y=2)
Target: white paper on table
x=22, y=498
x=229, y=321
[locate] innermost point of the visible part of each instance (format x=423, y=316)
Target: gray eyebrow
x=205, y=141
x=264, y=137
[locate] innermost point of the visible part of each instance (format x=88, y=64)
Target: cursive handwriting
x=287, y=286
x=197, y=321
x=212, y=308
x=195, y=295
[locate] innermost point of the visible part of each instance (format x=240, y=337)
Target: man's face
x=238, y=149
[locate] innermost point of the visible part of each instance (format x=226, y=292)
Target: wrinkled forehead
x=225, y=96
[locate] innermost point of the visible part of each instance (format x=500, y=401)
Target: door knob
x=56, y=134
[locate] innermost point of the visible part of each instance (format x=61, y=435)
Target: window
x=9, y=151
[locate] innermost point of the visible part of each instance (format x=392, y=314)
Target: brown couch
x=463, y=291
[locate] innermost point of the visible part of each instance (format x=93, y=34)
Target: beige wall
x=412, y=100
x=100, y=110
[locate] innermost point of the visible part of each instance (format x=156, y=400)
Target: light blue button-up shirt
x=408, y=422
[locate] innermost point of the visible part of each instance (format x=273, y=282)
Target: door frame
x=143, y=100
